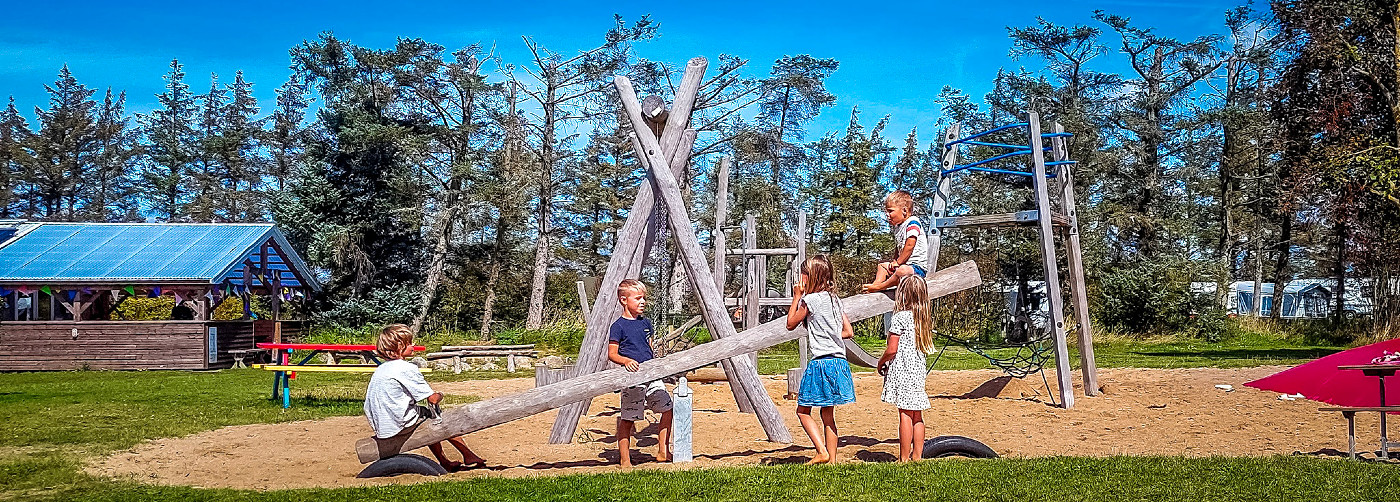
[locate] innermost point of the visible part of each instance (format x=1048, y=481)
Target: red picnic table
x=284, y=370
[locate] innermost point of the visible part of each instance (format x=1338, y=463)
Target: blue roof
x=97, y=253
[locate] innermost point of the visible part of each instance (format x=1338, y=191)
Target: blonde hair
x=820, y=276
x=903, y=198
x=630, y=286
x=912, y=295
x=393, y=339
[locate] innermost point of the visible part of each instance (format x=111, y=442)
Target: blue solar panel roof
x=144, y=252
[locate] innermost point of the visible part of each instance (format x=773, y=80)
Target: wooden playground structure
x=663, y=142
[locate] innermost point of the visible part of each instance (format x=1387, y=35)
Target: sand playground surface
x=1142, y=412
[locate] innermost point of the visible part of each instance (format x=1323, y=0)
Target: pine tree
x=14, y=135
x=110, y=190
x=63, y=150
x=240, y=157
x=171, y=147
x=283, y=139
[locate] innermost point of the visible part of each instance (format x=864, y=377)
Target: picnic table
x=1380, y=371
x=284, y=370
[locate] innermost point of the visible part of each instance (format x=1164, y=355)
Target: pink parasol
x=1320, y=380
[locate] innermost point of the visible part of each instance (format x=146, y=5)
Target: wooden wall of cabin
x=119, y=345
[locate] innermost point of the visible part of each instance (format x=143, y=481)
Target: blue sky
x=895, y=57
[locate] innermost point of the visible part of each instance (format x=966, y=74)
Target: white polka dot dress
x=904, y=383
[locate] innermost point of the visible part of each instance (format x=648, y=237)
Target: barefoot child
x=911, y=337
x=911, y=244
x=391, y=401
x=826, y=382
x=629, y=345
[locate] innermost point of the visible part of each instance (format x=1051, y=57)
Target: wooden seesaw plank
x=491, y=412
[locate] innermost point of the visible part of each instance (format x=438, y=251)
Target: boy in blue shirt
x=629, y=345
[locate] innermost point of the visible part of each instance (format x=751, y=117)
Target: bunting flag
x=299, y=294
x=155, y=292
x=24, y=290
x=209, y=294
x=4, y=292
x=179, y=299
x=72, y=295
x=46, y=290
x=116, y=293
x=130, y=290
x=87, y=291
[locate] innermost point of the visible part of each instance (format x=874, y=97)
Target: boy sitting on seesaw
x=629, y=345
x=391, y=401
x=911, y=244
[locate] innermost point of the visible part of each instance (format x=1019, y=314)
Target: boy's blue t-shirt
x=632, y=337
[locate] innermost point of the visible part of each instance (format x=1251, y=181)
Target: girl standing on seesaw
x=910, y=339
x=826, y=382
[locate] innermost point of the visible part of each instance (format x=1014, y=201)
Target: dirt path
x=1144, y=412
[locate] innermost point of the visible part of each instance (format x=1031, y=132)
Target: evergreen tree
x=171, y=147
x=110, y=191
x=210, y=154
x=62, y=151
x=283, y=139
x=14, y=135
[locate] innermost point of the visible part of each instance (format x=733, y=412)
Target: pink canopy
x=1320, y=380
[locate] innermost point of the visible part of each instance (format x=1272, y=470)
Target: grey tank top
x=824, y=325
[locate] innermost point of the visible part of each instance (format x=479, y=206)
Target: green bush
x=139, y=308
x=1149, y=298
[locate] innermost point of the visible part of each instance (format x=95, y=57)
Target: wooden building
x=61, y=282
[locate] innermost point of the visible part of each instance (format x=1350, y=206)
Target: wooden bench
x=241, y=354
x=457, y=352
x=1350, y=413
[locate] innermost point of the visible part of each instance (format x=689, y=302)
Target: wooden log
x=480, y=353
x=717, y=239
x=491, y=412
x=1079, y=294
x=592, y=352
x=582, y=298
x=697, y=270
x=521, y=347
x=763, y=251
x=1052, y=274
x=751, y=295
x=1019, y=218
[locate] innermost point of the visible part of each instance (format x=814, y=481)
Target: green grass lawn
x=56, y=421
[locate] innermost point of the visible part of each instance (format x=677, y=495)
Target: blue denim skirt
x=826, y=382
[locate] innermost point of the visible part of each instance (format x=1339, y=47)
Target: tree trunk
x=543, y=254
x=1283, y=251
x=1339, y=271
x=493, y=277
x=437, y=259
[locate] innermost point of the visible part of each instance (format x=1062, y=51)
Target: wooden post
x=491, y=412
x=592, y=352
x=1078, y=293
x=1052, y=274
x=246, y=296
x=741, y=371
x=582, y=298
x=717, y=239
x=752, y=291
x=940, y=198
x=750, y=273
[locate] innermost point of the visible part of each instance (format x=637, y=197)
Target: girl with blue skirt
x=826, y=382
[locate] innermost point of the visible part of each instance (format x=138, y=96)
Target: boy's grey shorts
x=652, y=396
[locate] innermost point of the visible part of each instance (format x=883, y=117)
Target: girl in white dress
x=902, y=364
